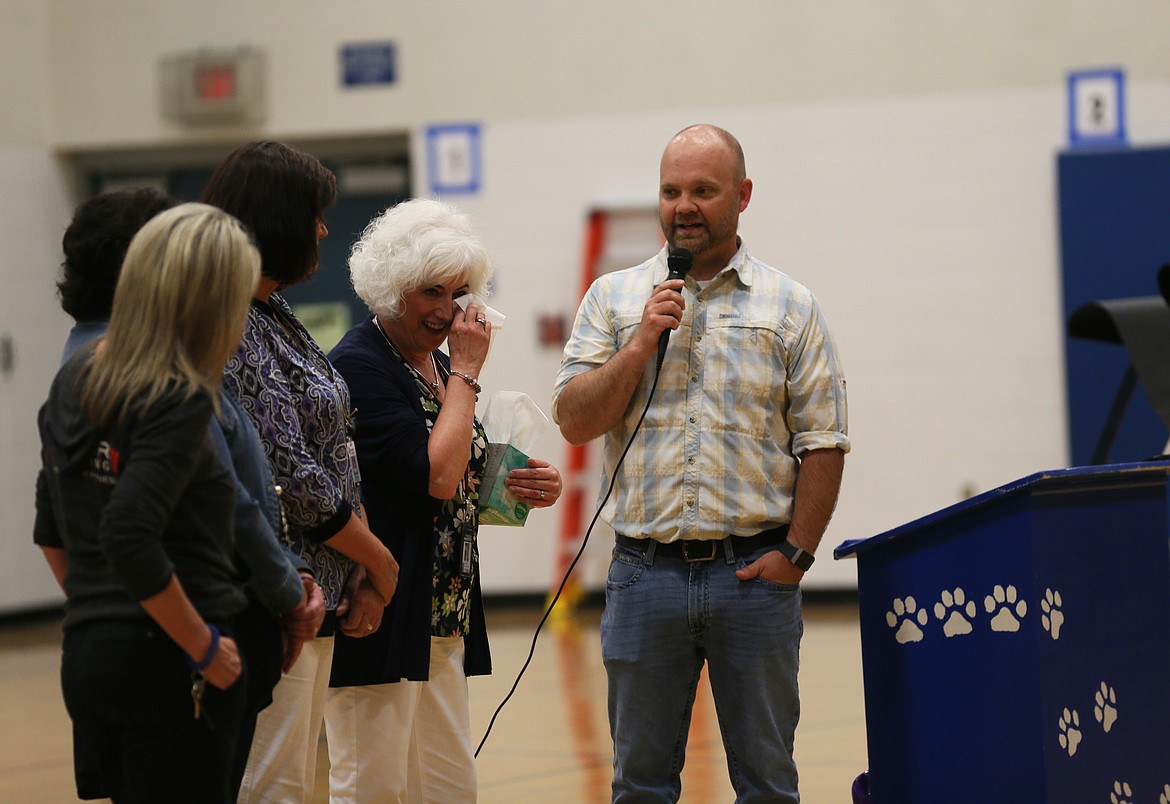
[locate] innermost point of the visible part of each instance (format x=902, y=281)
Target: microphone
x=678, y=265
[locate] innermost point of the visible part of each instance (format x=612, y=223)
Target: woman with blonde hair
x=135, y=491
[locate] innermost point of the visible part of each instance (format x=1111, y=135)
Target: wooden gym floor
x=550, y=742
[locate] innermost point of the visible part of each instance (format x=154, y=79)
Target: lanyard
x=467, y=533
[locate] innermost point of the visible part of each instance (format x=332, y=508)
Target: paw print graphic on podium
x=1052, y=612
x=1105, y=706
x=1070, y=731
x=1011, y=610
x=962, y=611
x=1165, y=797
x=1122, y=793
x=906, y=612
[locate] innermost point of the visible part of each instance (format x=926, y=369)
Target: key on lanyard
x=198, y=682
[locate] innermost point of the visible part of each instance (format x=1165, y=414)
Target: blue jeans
x=663, y=619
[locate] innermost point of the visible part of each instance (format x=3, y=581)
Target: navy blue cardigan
x=391, y=443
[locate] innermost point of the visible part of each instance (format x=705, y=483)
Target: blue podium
x=1016, y=645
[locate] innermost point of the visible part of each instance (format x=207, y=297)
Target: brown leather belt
x=691, y=550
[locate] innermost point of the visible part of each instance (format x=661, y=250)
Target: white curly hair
x=414, y=245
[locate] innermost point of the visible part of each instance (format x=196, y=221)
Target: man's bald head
x=705, y=131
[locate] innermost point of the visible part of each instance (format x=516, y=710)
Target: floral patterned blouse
x=450, y=609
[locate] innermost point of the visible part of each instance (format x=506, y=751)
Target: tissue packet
x=513, y=424
x=497, y=504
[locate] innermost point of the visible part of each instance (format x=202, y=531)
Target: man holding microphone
x=725, y=492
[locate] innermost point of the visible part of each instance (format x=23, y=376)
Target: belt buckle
x=686, y=550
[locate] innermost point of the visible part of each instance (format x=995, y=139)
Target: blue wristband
x=199, y=667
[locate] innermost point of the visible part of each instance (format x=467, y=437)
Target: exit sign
x=214, y=86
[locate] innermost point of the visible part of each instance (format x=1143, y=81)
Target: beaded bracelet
x=199, y=667
x=467, y=378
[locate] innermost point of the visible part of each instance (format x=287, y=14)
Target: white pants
x=404, y=742
x=283, y=761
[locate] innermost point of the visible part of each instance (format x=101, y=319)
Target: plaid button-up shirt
x=751, y=381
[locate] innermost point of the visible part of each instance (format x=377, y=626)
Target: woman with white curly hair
x=421, y=452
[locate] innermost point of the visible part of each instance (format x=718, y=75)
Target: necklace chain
x=434, y=363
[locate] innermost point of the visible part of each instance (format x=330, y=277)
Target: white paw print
x=1121, y=793
x=955, y=624
x=1005, y=601
x=1070, y=731
x=1050, y=612
x=1105, y=708
x=907, y=612
x=1165, y=797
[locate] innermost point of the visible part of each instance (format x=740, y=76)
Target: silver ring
x=481, y=320
x=542, y=494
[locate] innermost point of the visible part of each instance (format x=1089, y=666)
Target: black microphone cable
x=686, y=256
x=572, y=566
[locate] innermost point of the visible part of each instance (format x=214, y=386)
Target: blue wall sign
x=368, y=63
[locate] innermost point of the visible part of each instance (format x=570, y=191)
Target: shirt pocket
x=625, y=326
x=745, y=376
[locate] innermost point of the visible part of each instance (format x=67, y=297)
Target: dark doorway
x=372, y=175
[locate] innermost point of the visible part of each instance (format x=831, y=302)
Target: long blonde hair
x=179, y=312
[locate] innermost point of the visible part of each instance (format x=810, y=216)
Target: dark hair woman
x=302, y=410
x=95, y=244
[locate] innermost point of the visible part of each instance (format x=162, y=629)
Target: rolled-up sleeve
x=593, y=341
x=818, y=415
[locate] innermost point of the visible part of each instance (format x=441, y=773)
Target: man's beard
x=696, y=240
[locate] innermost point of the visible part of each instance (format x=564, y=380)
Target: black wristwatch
x=801, y=559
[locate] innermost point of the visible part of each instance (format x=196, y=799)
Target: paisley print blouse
x=301, y=408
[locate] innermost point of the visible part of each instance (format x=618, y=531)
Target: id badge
x=467, y=550
x=351, y=453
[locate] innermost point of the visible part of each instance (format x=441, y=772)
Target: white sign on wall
x=1096, y=107
x=453, y=158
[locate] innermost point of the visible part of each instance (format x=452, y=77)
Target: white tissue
x=513, y=418
x=494, y=317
